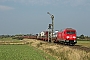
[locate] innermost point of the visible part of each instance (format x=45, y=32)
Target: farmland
x=39, y=50
x=84, y=43
x=22, y=52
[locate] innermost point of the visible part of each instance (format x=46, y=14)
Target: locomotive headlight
x=74, y=37
x=67, y=37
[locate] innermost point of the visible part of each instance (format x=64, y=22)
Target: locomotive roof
x=69, y=29
x=66, y=29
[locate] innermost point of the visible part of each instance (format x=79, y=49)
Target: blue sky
x=30, y=16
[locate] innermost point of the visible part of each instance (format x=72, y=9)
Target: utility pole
x=52, y=17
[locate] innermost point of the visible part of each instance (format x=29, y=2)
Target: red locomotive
x=67, y=36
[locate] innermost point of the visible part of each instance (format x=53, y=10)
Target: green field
x=10, y=39
x=27, y=52
x=22, y=52
x=83, y=43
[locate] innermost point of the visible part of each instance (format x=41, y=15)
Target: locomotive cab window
x=70, y=32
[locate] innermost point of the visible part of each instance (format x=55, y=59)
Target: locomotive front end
x=70, y=37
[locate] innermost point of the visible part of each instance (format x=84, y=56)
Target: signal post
x=52, y=17
x=49, y=33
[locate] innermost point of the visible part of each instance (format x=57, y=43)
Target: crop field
x=84, y=43
x=10, y=39
x=22, y=52
x=39, y=50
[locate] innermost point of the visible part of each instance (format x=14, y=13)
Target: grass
x=27, y=52
x=83, y=43
x=59, y=51
x=5, y=41
x=22, y=52
x=10, y=39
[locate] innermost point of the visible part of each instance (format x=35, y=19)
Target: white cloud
x=5, y=7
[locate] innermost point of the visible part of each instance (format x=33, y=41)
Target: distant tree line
x=19, y=36
x=5, y=36
x=83, y=37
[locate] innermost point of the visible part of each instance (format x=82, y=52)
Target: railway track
x=79, y=47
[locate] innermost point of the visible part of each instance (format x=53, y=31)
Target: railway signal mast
x=52, y=17
x=49, y=32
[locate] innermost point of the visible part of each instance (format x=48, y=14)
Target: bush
x=19, y=38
